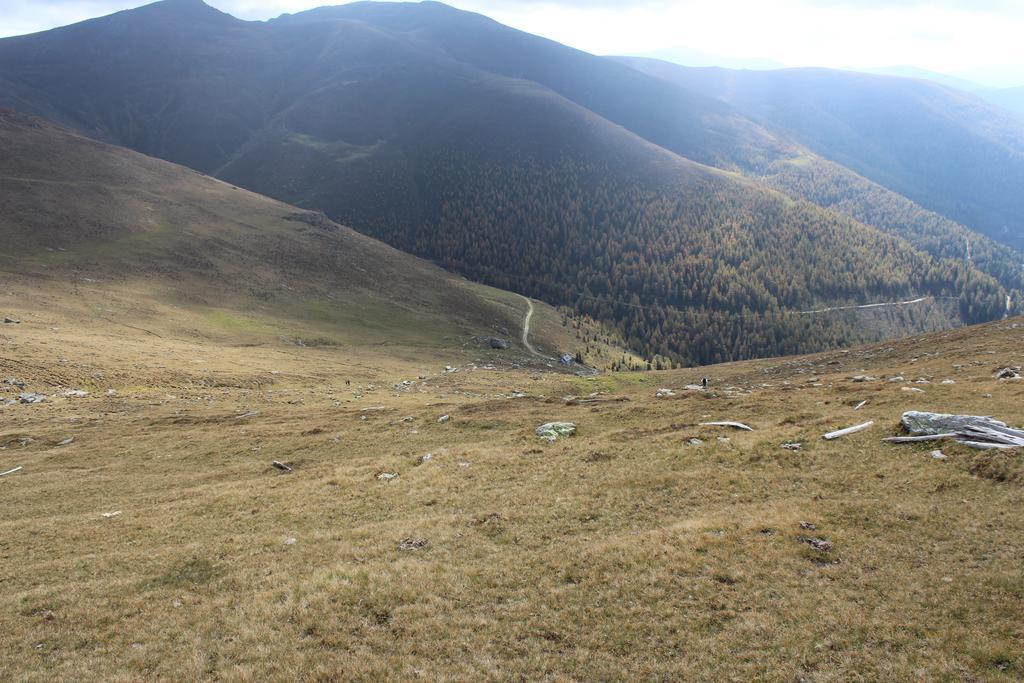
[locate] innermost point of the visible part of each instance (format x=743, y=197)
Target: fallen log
x=849, y=430
x=923, y=437
x=985, y=445
x=728, y=423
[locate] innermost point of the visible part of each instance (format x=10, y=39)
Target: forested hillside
x=525, y=164
x=696, y=273
x=945, y=149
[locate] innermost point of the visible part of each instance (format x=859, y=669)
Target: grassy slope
x=114, y=235
x=623, y=552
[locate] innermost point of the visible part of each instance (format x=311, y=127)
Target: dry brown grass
x=621, y=553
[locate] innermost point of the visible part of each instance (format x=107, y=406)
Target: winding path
x=526, y=330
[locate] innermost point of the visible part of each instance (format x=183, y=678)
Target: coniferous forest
x=687, y=273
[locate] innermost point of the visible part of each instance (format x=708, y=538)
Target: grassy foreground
x=625, y=552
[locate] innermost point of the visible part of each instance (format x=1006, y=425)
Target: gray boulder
x=921, y=423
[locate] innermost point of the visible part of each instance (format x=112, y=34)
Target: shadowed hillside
x=121, y=237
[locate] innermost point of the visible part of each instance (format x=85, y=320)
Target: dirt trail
x=526, y=330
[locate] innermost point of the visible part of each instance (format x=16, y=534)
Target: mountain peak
x=190, y=10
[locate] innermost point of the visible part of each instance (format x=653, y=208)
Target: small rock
x=291, y=541
x=913, y=390
x=31, y=398
x=10, y=321
x=498, y=343
x=863, y=378
x=386, y=476
x=412, y=543
x=408, y=418
x=552, y=430
x=1008, y=373
x=15, y=383
x=795, y=446
x=74, y=393
x=948, y=381
x=67, y=441
x=818, y=544
x=938, y=455
x=808, y=526
x=277, y=464
x=426, y=457
x=664, y=393
x=115, y=513
x=695, y=442
x=444, y=418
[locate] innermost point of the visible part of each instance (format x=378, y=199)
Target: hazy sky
x=978, y=39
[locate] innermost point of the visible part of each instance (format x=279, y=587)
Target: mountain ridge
x=499, y=175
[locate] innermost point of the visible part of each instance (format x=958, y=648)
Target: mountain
x=692, y=227
x=133, y=240
x=692, y=57
x=946, y=150
x=1010, y=99
x=926, y=75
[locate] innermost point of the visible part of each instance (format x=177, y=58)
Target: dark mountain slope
x=697, y=127
x=945, y=149
x=76, y=213
x=502, y=178
x=691, y=124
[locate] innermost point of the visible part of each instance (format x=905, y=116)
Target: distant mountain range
x=697, y=209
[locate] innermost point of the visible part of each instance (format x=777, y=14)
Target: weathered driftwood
x=923, y=437
x=727, y=423
x=849, y=430
x=10, y=471
x=986, y=445
x=281, y=466
x=860, y=405
x=996, y=433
